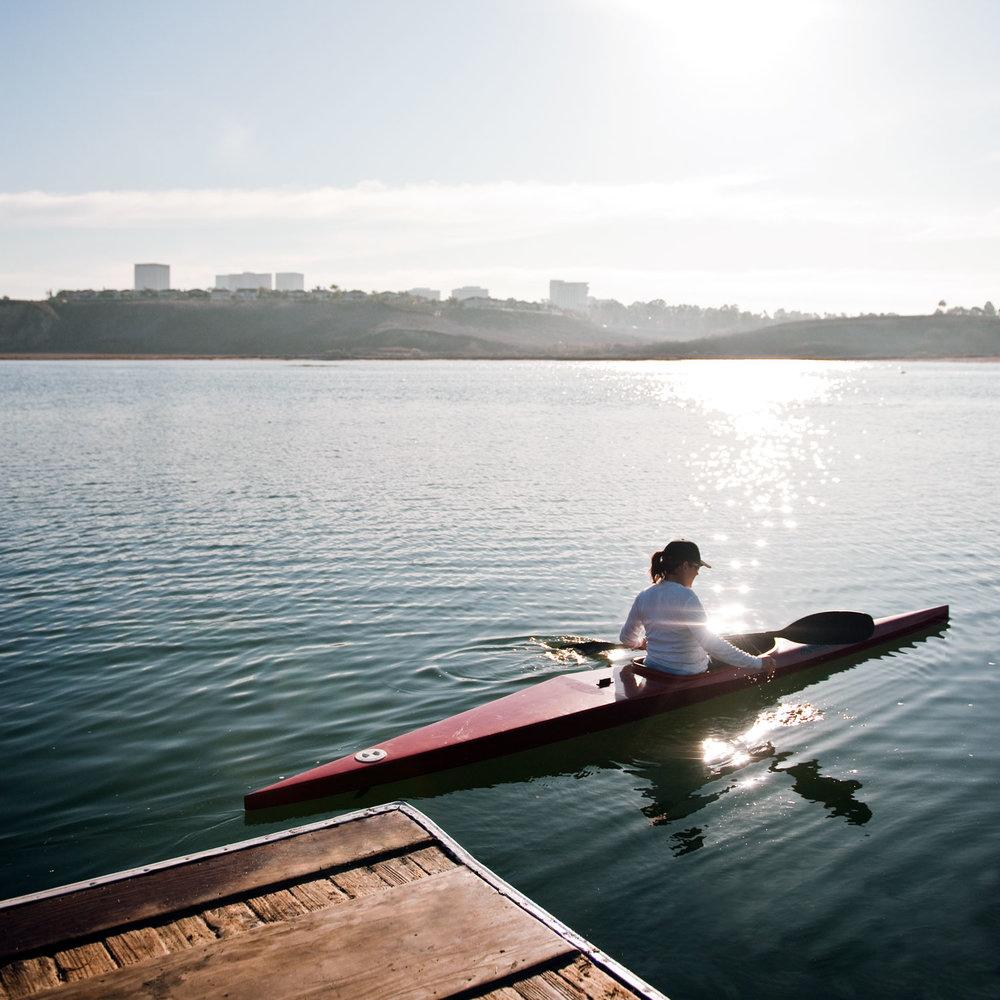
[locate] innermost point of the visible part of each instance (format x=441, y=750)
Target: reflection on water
x=753, y=397
x=685, y=841
x=722, y=757
x=781, y=717
x=771, y=457
x=835, y=794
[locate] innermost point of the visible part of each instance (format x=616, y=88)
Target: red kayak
x=557, y=709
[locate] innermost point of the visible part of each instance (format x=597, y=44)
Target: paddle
x=826, y=628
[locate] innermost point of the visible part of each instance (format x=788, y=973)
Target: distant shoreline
x=514, y=357
x=378, y=330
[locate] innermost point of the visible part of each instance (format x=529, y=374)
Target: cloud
x=735, y=237
x=503, y=208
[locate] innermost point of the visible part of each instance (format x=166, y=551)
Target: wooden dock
x=378, y=904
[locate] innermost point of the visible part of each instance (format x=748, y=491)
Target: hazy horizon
x=814, y=156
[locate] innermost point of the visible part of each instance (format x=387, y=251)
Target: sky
x=822, y=155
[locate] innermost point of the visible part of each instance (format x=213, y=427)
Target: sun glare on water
x=755, y=397
x=724, y=755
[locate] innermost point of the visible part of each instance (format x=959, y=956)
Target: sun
x=727, y=39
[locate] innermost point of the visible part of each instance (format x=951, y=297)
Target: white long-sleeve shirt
x=671, y=618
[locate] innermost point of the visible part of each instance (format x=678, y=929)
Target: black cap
x=682, y=551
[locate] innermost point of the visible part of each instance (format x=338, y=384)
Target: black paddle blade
x=830, y=628
x=754, y=643
x=593, y=647
x=585, y=647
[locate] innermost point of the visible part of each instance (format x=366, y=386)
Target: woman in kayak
x=668, y=621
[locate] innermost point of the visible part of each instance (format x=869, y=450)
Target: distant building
x=571, y=295
x=478, y=302
x=152, y=277
x=470, y=292
x=243, y=280
x=431, y=294
x=289, y=281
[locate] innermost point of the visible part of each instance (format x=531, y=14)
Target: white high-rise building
x=470, y=292
x=289, y=281
x=570, y=295
x=431, y=294
x=152, y=277
x=245, y=279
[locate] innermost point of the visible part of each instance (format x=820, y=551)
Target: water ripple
x=214, y=575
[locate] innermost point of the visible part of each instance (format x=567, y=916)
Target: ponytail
x=656, y=569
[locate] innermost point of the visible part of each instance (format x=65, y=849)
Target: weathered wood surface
x=84, y=962
x=393, y=915
x=21, y=979
x=576, y=980
x=152, y=941
x=432, y=860
x=593, y=981
x=185, y=933
x=442, y=934
x=136, y=945
x=90, y=910
x=231, y=919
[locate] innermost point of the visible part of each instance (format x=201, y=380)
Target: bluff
x=287, y=328
x=377, y=328
x=937, y=336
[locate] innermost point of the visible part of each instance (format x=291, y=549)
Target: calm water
x=215, y=574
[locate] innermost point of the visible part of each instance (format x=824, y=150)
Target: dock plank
x=21, y=979
x=232, y=919
x=378, y=946
x=561, y=989
x=273, y=907
x=87, y=911
x=399, y=871
x=84, y=962
x=594, y=982
x=432, y=860
x=137, y=945
x=359, y=882
x=547, y=986
x=185, y=933
x=318, y=894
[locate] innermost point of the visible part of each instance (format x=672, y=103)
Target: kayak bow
x=556, y=709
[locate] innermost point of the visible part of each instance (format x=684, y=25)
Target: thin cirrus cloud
x=511, y=207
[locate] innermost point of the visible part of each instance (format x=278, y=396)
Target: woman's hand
x=768, y=664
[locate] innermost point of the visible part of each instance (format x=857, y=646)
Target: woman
x=668, y=621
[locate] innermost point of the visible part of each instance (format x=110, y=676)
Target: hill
x=283, y=328
x=377, y=328
x=937, y=336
